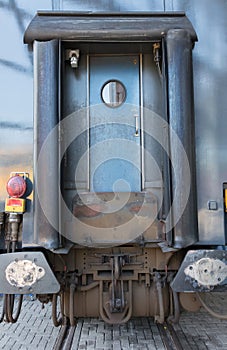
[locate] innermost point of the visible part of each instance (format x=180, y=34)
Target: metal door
x=115, y=152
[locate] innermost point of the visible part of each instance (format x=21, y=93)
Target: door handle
x=136, y=125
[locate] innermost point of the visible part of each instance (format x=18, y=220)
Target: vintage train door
x=115, y=152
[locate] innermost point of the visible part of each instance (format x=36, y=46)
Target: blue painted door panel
x=115, y=152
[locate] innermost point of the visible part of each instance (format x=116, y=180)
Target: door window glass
x=113, y=93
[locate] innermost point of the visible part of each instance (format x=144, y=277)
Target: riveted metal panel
x=26, y=272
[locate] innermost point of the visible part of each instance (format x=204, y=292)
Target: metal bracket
x=117, y=303
x=201, y=271
x=25, y=273
x=21, y=173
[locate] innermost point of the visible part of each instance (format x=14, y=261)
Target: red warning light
x=16, y=186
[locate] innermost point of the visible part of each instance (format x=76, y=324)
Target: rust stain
x=88, y=212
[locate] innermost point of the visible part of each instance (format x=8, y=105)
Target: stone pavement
x=201, y=331
x=137, y=334
x=196, y=331
x=33, y=330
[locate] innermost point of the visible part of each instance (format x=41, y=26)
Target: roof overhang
x=105, y=27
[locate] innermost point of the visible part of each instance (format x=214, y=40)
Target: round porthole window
x=113, y=93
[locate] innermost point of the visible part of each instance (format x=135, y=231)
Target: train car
x=113, y=196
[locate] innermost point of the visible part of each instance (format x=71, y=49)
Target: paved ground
x=200, y=331
x=137, y=334
x=34, y=330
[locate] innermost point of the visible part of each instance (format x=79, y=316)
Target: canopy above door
x=128, y=26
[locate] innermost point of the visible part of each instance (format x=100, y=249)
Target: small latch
x=73, y=57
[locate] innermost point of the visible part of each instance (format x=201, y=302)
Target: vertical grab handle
x=136, y=125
